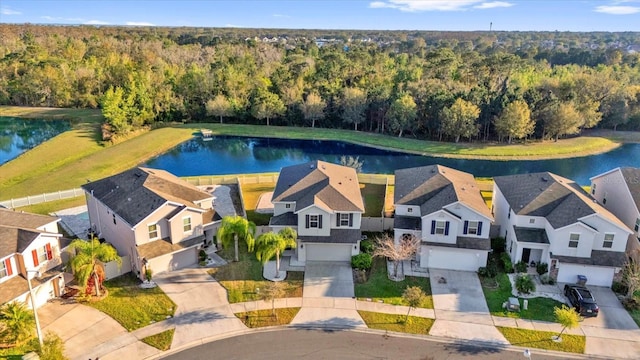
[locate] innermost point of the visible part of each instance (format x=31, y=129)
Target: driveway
x=612, y=314
x=328, y=279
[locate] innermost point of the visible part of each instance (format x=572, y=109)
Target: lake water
x=20, y=135
x=237, y=155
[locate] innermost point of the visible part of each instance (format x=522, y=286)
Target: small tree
x=219, y=106
x=272, y=291
x=236, y=228
x=567, y=317
x=414, y=296
x=17, y=321
x=52, y=348
x=524, y=284
x=631, y=273
x=271, y=244
x=386, y=247
x=86, y=261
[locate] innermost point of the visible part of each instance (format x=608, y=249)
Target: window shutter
x=446, y=228
x=34, y=253
x=7, y=265
x=319, y=221
x=479, y=228
x=433, y=227
x=49, y=252
x=466, y=226
x=306, y=221
x=351, y=220
x=338, y=215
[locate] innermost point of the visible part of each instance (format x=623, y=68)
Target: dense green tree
x=313, y=108
x=561, y=119
x=402, y=114
x=267, y=105
x=86, y=261
x=18, y=323
x=515, y=121
x=234, y=229
x=269, y=245
x=460, y=119
x=354, y=104
x=219, y=106
x=117, y=109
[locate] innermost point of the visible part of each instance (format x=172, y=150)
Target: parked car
x=582, y=300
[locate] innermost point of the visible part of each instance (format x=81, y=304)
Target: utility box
x=582, y=280
x=513, y=304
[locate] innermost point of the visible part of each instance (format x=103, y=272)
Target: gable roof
x=632, y=179
x=435, y=186
x=19, y=229
x=560, y=200
x=136, y=193
x=329, y=186
x=24, y=220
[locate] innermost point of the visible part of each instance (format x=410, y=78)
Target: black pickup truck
x=582, y=300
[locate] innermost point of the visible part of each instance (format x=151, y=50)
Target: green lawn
x=397, y=323
x=251, y=194
x=542, y=340
x=539, y=308
x=16, y=353
x=264, y=318
x=132, y=306
x=242, y=278
x=379, y=288
x=80, y=115
x=53, y=206
x=373, y=195
x=161, y=341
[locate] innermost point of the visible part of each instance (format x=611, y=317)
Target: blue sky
x=523, y=15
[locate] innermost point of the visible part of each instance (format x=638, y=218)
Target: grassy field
x=251, y=194
x=542, y=340
x=161, y=341
x=79, y=115
x=379, y=288
x=374, y=196
x=132, y=306
x=264, y=318
x=397, y=323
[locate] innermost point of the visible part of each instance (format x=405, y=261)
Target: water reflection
x=20, y=135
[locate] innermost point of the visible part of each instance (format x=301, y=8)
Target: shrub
x=547, y=279
x=366, y=246
x=148, y=274
x=490, y=271
x=619, y=288
x=521, y=267
x=498, y=245
x=361, y=261
x=525, y=284
x=631, y=304
x=506, y=262
x=52, y=348
x=202, y=255
x=542, y=268
x=203, y=263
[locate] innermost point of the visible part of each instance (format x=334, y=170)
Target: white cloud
x=63, y=19
x=424, y=5
x=8, y=11
x=96, y=22
x=493, y=4
x=281, y=16
x=618, y=10
x=138, y=23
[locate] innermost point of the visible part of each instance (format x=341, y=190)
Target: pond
x=20, y=135
x=237, y=155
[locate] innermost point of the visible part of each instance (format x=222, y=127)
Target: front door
x=526, y=253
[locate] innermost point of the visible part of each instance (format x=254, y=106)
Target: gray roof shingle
x=463, y=242
x=407, y=223
x=338, y=236
x=19, y=229
x=598, y=258
x=531, y=235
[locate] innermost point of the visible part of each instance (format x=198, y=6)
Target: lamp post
x=33, y=305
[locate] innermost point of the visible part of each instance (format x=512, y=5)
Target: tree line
x=471, y=88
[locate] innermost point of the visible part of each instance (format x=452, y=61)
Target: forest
x=450, y=86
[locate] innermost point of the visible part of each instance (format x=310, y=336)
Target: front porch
x=531, y=247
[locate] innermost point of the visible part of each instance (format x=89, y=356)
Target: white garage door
x=453, y=259
x=174, y=261
x=598, y=276
x=328, y=252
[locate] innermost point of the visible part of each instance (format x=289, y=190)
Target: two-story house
x=443, y=207
x=150, y=215
x=550, y=219
x=323, y=203
x=29, y=248
x=618, y=190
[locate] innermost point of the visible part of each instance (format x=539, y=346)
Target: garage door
x=328, y=252
x=453, y=259
x=598, y=276
x=174, y=261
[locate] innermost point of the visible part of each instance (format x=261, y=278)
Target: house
x=546, y=218
x=155, y=218
x=442, y=207
x=618, y=190
x=29, y=248
x=322, y=202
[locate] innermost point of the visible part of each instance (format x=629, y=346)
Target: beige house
x=157, y=219
x=29, y=248
x=323, y=203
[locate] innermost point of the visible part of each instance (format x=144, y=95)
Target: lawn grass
x=542, y=340
x=540, y=308
x=379, y=288
x=16, y=353
x=373, y=195
x=161, y=341
x=264, y=318
x=251, y=194
x=53, y=206
x=242, y=278
x=397, y=323
x=80, y=115
x=132, y=306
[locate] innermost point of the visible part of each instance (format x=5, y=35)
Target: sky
x=452, y=15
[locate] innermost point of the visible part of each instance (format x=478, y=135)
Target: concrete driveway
x=328, y=279
x=612, y=314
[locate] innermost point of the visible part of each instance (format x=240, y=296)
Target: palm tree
x=271, y=244
x=234, y=228
x=86, y=258
x=18, y=322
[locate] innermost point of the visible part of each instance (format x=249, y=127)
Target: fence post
x=28, y=200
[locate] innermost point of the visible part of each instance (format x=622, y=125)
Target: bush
x=148, y=273
x=367, y=246
x=486, y=272
x=52, y=348
x=619, y=288
x=542, y=268
x=525, y=284
x=631, y=304
x=498, y=245
x=506, y=262
x=521, y=267
x=547, y=279
x=202, y=255
x=361, y=261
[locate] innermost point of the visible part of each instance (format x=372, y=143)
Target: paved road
x=344, y=345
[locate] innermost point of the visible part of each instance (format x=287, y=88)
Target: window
x=114, y=219
x=410, y=210
x=532, y=221
x=287, y=206
x=313, y=221
x=635, y=228
x=472, y=228
x=440, y=227
x=5, y=268
x=593, y=189
x=573, y=240
x=608, y=241
x=153, y=231
x=186, y=224
x=41, y=254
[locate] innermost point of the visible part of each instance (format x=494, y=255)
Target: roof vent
x=340, y=183
x=544, y=178
x=128, y=199
x=310, y=166
x=323, y=167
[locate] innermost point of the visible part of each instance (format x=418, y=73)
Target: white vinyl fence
x=41, y=198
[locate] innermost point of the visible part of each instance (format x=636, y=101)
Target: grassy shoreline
x=71, y=158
